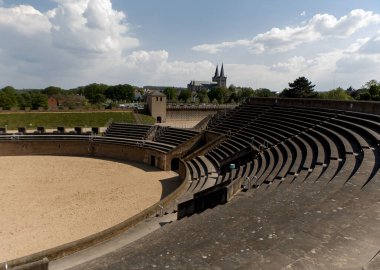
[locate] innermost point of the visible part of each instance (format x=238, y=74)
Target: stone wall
x=85, y=149
x=350, y=105
x=188, y=115
x=180, y=151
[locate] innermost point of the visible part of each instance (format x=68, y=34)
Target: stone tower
x=220, y=79
x=157, y=106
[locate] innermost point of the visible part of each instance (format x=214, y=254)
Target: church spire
x=222, y=72
x=216, y=72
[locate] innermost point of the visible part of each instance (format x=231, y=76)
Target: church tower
x=220, y=79
x=216, y=76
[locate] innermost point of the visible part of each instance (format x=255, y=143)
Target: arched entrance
x=175, y=164
x=159, y=119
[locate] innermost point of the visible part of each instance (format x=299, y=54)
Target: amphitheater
x=270, y=184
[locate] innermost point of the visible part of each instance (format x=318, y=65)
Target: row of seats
x=289, y=143
x=203, y=174
x=126, y=130
x=162, y=147
x=173, y=136
x=166, y=135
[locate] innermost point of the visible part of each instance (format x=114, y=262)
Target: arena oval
x=75, y=148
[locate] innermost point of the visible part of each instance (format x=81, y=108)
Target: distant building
x=219, y=80
x=161, y=88
x=196, y=86
x=157, y=106
x=52, y=103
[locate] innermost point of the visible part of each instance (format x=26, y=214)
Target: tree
x=370, y=83
x=263, y=92
x=171, y=93
x=245, y=93
x=300, y=88
x=203, y=97
x=374, y=90
x=8, y=98
x=338, y=93
x=120, y=92
x=24, y=100
x=185, y=95
x=219, y=94
x=364, y=96
x=95, y=93
x=370, y=91
x=52, y=90
x=38, y=100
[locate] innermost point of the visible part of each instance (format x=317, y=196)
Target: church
x=219, y=80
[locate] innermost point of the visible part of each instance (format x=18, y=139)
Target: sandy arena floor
x=46, y=201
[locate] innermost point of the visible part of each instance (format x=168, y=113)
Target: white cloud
x=371, y=45
x=319, y=27
x=90, y=26
x=293, y=63
x=63, y=44
x=156, y=68
x=303, y=13
x=80, y=42
x=70, y=46
x=362, y=62
x=80, y=26
x=24, y=19
x=215, y=48
x=354, y=65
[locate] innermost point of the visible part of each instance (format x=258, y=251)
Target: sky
x=262, y=44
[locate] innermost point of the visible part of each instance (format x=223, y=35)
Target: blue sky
x=170, y=42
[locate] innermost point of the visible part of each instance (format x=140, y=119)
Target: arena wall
x=210, y=139
x=348, y=105
x=83, y=149
x=188, y=115
x=184, y=148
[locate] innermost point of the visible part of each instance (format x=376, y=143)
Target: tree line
x=83, y=96
x=218, y=95
x=303, y=88
x=110, y=95
x=299, y=88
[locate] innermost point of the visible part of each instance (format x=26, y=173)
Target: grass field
x=70, y=119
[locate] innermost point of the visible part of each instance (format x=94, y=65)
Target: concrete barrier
x=209, y=198
x=202, y=202
x=234, y=187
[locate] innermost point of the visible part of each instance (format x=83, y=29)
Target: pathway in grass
x=67, y=119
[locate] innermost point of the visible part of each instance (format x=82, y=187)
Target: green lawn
x=69, y=120
x=147, y=119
